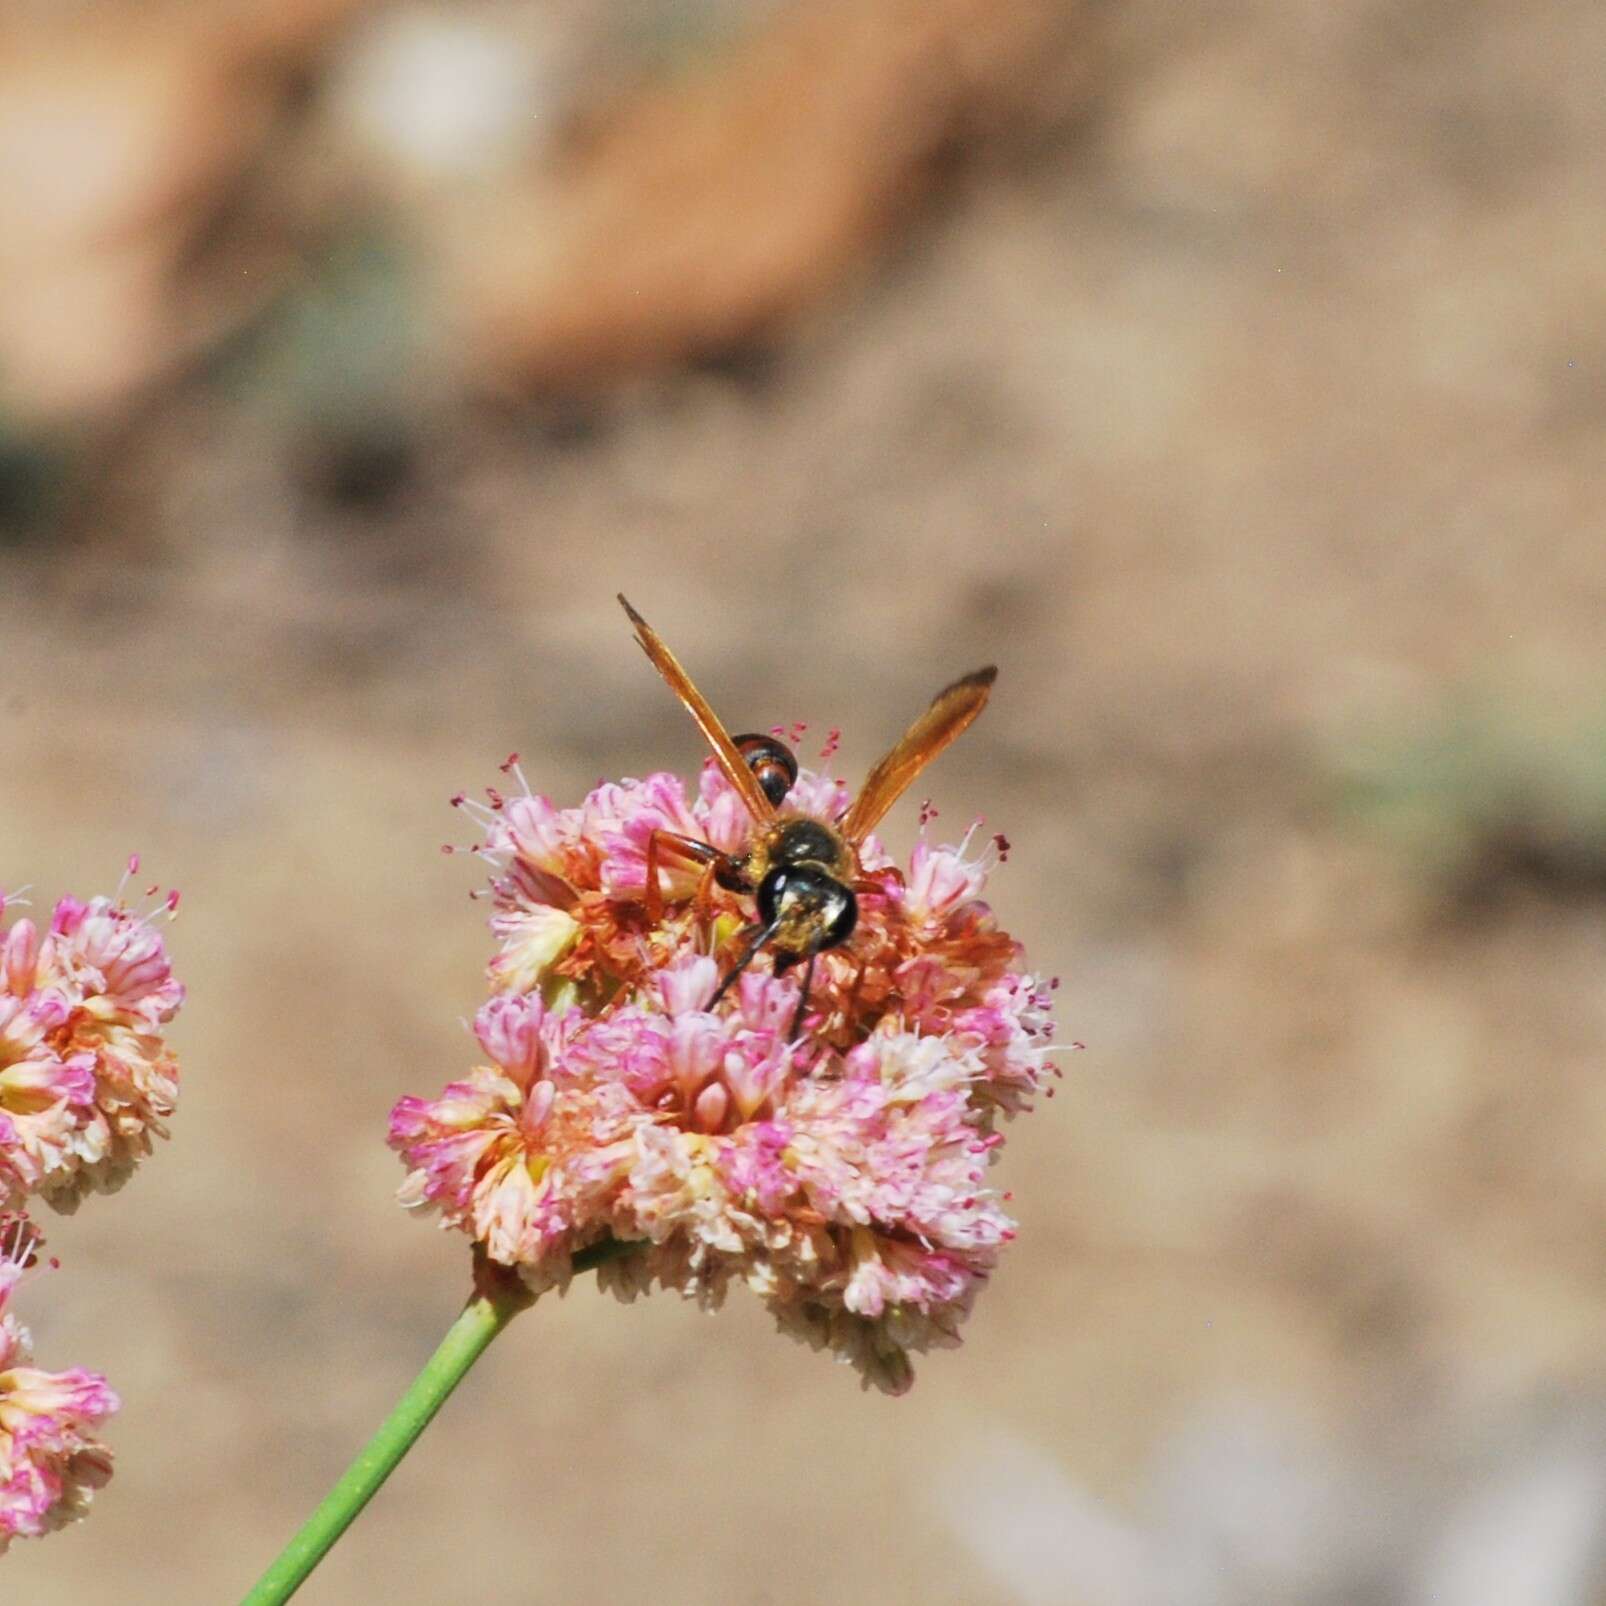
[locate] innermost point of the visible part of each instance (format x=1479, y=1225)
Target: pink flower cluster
x=842, y=1176
x=86, y=1082
x=86, y=1079
x=50, y=1465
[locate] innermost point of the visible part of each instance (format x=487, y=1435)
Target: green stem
x=499, y=1297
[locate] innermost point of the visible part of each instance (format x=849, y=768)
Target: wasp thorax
x=806, y=842
x=808, y=909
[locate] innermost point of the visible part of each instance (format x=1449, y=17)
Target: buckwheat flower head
x=842, y=1176
x=86, y=1077
x=50, y=1463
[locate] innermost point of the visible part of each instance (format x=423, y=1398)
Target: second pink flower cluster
x=86, y=1082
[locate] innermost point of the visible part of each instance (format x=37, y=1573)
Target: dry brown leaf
x=118, y=143
x=709, y=209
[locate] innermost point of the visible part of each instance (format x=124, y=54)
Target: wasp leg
x=662, y=843
x=802, y=1001
x=853, y=992
x=703, y=902
x=875, y=885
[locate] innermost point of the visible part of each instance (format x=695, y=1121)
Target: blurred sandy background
x=1231, y=374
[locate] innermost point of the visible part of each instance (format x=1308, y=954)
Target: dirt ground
x=1235, y=380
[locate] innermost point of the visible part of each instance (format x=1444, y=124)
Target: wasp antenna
x=763, y=936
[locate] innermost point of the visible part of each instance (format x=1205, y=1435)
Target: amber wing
x=952, y=709
x=725, y=753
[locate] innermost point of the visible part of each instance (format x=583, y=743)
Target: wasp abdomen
x=772, y=762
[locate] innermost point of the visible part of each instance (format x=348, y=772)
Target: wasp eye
x=770, y=890
x=772, y=762
x=840, y=918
